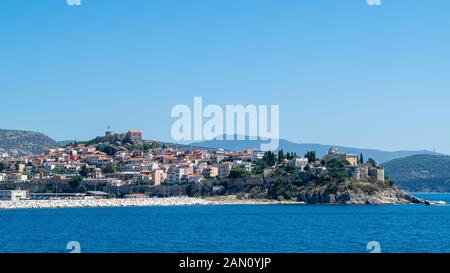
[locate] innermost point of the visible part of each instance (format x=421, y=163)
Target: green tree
x=42, y=172
x=278, y=190
x=280, y=156
x=239, y=173
x=281, y=189
x=311, y=156
x=336, y=169
x=109, y=150
x=361, y=159
x=109, y=167
x=269, y=158
x=75, y=182
x=58, y=170
x=82, y=188
x=155, y=145
x=141, y=182
x=372, y=162
x=259, y=167
x=84, y=172
x=291, y=191
x=146, y=148
x=332, y=187
x=288, y=156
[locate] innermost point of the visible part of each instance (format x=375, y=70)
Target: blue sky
x=342, y=72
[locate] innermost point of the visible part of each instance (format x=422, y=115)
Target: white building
x=175, y=174
x=158, y=177
x=98, y=160
x=225, y=169
x=154, y=166
x=72, y=169
x=248, y=166
x=257, y=156
x=13, y=195
x=220, y=156
x=17, y=177
x=192, y=179
x=49, y=166
x=200, y=168
x=300, y=163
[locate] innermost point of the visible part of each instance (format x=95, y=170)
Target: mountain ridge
x=301, y=148
x=421, y=173
x=23, y=143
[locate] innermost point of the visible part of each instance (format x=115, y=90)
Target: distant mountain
x=301, y=149
x=21, y=143
x=421, y=173
x=64, y=142
x=184, y=147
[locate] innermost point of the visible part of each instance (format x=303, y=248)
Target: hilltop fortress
x=358, y=170
x=131, y=137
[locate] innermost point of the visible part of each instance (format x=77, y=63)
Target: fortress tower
x=134, y=137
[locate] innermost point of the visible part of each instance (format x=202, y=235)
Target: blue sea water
x=260, y=229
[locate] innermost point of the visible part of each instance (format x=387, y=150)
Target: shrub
x=239, y=173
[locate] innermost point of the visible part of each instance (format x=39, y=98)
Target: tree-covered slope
x=421, y=173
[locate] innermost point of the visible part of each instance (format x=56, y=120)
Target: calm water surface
x=277, y=228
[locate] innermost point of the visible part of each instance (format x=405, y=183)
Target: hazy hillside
x=19, y=143
x=301, y=149
x=421, y=173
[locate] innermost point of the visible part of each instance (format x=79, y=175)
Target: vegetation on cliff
x=333, y=185
x=20, y=143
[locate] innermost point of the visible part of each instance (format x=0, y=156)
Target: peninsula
x=124, y=170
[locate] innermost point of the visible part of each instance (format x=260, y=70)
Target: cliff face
x=314, y=194
x=336, y=184
x=350, y=191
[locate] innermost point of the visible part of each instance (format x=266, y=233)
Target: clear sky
x=343, y=72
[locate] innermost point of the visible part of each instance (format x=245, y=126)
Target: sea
x=231, y=229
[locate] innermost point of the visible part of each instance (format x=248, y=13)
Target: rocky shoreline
x=141, y=202
x=191, y=201
x=100, y=203
x=382, y=197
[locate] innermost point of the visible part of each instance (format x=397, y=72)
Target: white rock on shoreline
x=143, y=202
x=98, y=203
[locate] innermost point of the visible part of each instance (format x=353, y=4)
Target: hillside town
x=124, y=165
